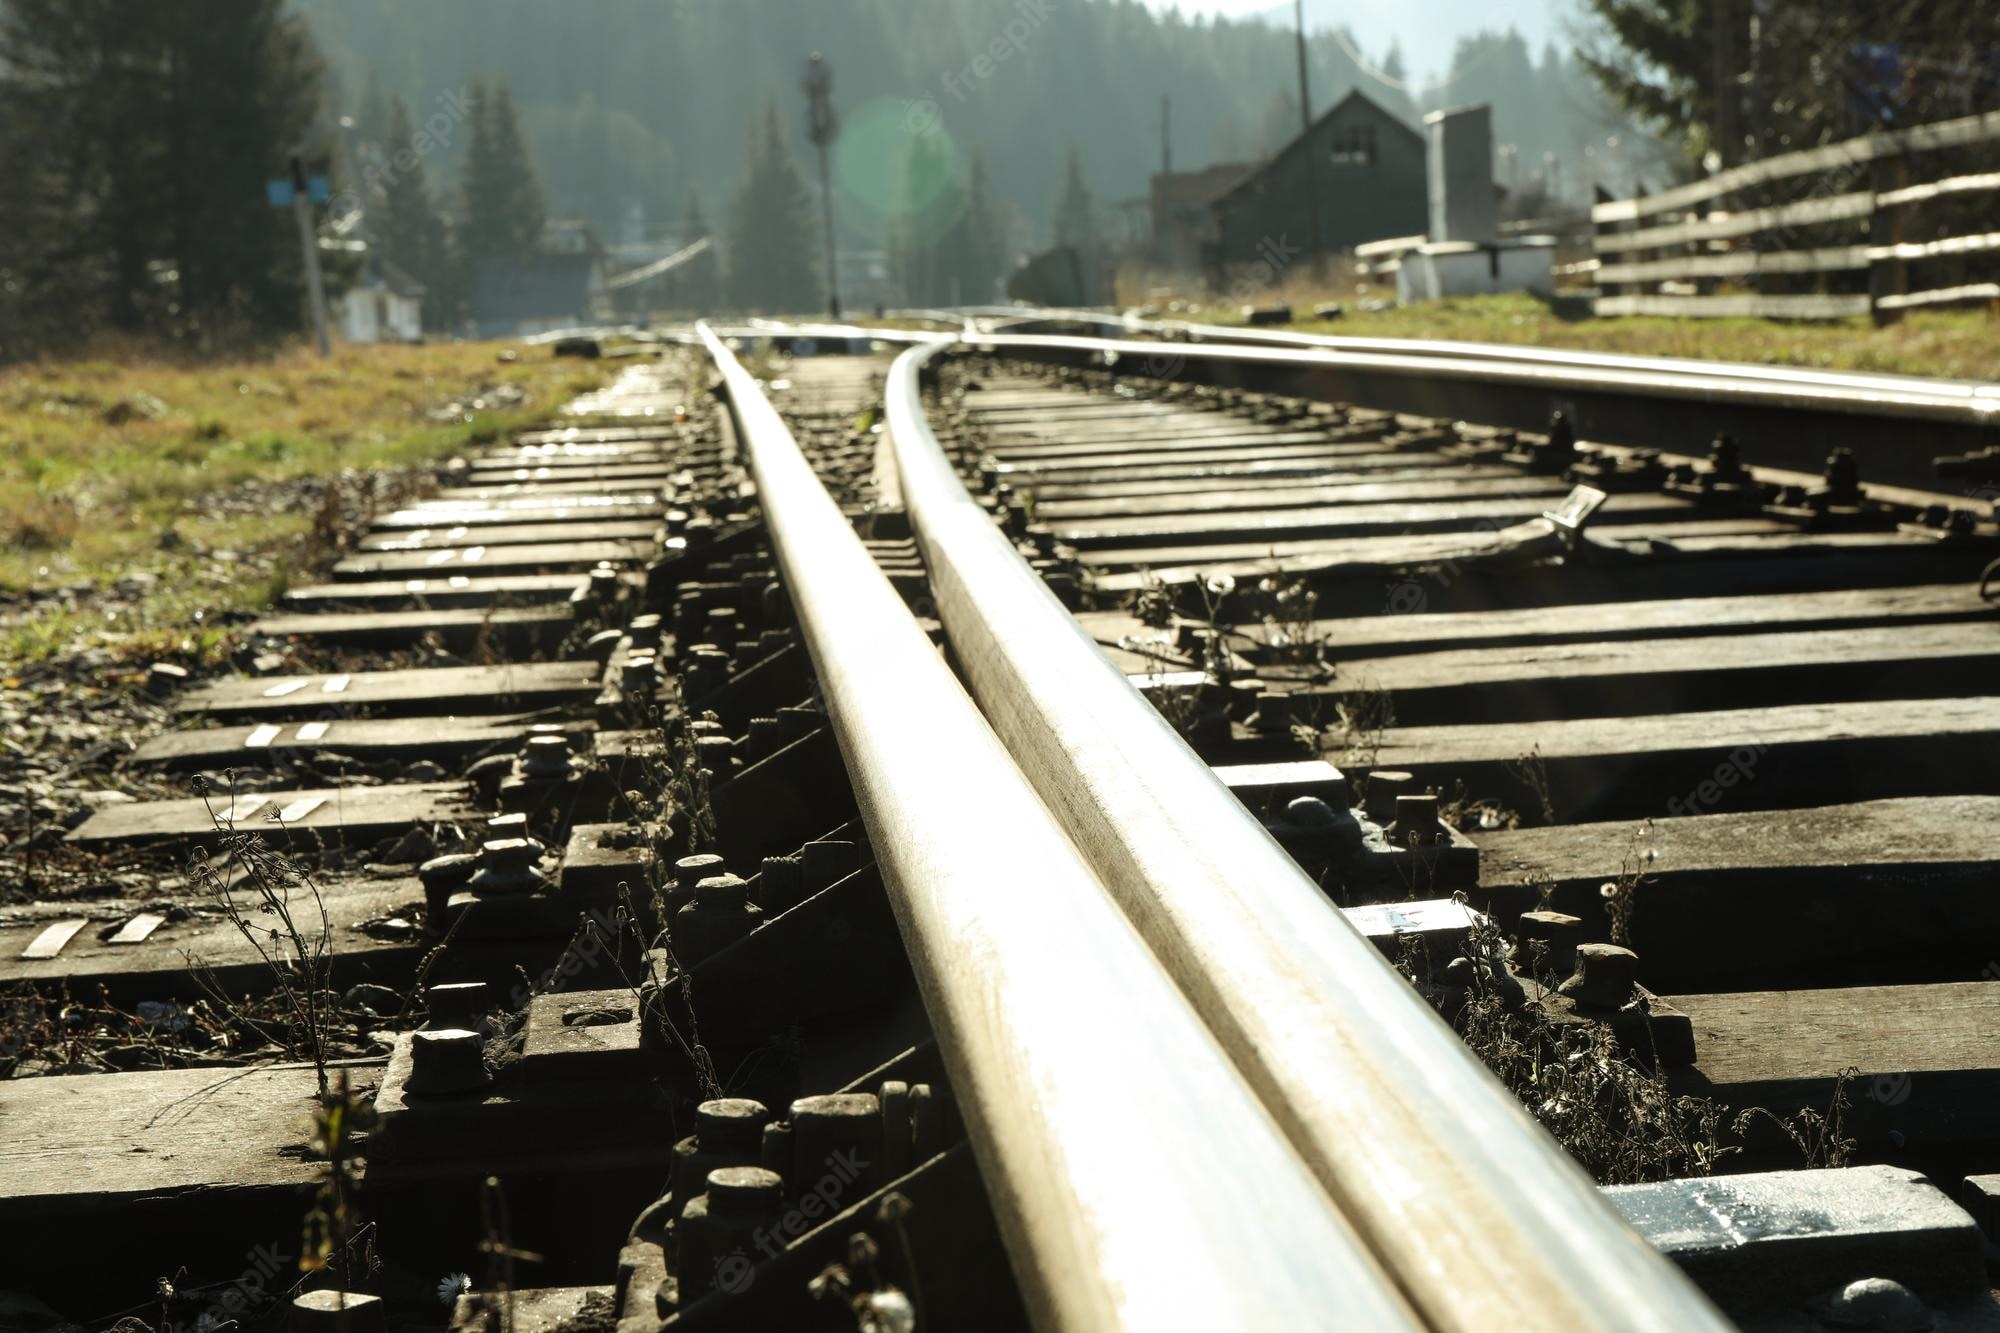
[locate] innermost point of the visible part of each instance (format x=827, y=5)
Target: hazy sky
x=1427, y=29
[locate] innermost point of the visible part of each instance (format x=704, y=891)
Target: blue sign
x=279, y=192
x=319, y=189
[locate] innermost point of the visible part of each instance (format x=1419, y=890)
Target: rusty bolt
x=447, y=1060
x=545, y=757
x=1557, y=933
x=1605, y=976
x=1417, y=823
x=1274, y=712
x=645, y=631
x=456, y=1004
x=727, y=1124
x=1384, y=786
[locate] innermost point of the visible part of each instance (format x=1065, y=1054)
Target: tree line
x=1730, y=81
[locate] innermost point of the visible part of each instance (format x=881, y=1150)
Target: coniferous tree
x=771, y=252
x=696, y=285
x=1076, y=220
x=373, y=121
x=979, y=257
x=502, y=204
x=411, y=234
x=1807, y=73
x=923, y=221
x=162, y=122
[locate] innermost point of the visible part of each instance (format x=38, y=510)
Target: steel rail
x=1975, y=395
x=1896, y=436
x=1138, y=1180
x=1560, y=375
x=1485, y=1221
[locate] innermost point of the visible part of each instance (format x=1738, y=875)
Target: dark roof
x=399, y=282
x=1263, y=168
x=1194, y=188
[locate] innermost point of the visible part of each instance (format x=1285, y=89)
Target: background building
x=1361, y=165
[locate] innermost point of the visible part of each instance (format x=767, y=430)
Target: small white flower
x=889, y=1312
x=451, y=1286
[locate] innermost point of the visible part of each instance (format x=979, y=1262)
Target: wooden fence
x=1786, y=232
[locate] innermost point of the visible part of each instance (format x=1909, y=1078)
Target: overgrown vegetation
x=192, y=483
x=295, y=943
x=1614, y=1111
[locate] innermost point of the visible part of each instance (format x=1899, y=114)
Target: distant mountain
x=1427, y=31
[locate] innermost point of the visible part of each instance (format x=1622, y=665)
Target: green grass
x=106, y=461
x=1956, y=344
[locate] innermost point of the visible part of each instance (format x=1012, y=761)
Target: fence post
x=1600, y=195
x=1890, y=276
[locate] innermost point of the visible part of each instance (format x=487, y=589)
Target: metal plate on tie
x=241, y=809
x=300, y=808
x=261, y=736
x=50, y=942
x=288, y=687
x=138, y=928
x=1576, y=509
x=311, y=731
x=335, y=684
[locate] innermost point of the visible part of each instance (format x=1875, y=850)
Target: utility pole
x=309, y=244
x=821, y=128
x=1305, y=129
x=1163, y=192
x=1728, y=80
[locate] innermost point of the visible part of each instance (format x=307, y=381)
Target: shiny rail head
x=1483, y=1218
x=1139, y=1181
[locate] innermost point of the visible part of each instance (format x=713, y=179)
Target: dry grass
x=111, y=463
x=1958, y=344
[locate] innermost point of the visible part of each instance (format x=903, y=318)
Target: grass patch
x=125, y=461
x=1956, y=344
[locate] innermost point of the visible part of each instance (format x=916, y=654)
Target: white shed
x=387, y=305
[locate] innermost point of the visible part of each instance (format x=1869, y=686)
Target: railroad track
x=1076, y=833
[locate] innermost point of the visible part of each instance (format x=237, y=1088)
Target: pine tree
x=924, y=221
x=1801, y=80
x=1076, y=221
x=411, y=235
x=162, y=124
x=1677, y=87
x=979, y=245
x=374, y=120
x=771, y=254
x=503, y=208
x=696, y=286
